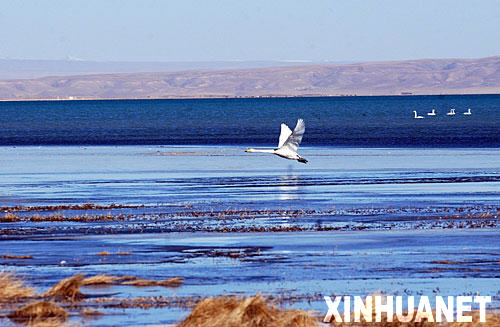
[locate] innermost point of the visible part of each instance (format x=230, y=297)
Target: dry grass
x=89, y=312
x=45, y=314
x=492, y=320
x=103, y=253
x=171, y=282
x=39, y=313
x=99, y=280
x=226, y=311
x=13, y=288
x=8, y=256
x=10, y=218
x=67, y=288
x=105, y=280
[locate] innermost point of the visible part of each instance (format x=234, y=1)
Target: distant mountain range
x=26, y=68
x=252, y=79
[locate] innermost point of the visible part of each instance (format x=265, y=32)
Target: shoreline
x=231, y=97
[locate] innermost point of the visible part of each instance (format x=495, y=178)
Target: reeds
x=99, y=280
x=492, y=320
x=67, y=288
x=13, y=288
x=86, y=206
x=89, y=312
x=103, y=253
x=17, y=257
x=228, y=311
x=131, y=281
x=39, y=313
x=44, y=313
x=106, y=280
x=171, y=282
x=222, y=311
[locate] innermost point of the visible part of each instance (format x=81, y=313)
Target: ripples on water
x=216, y=175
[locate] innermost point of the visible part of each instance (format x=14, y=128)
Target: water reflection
x=289, y=185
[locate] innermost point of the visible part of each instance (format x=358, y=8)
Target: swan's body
x=288, y=143
x=468, y=112
x=451, y=113
x=432, y=113
x=416, y=115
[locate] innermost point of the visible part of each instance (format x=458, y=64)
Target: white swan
x=432, y=113
x=288, y=143
x=468, y=112
x=451, y=113
x=417, y=116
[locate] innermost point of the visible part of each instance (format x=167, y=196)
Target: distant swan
x=417, y=116
x=451, y=113
x=468, y=112
x=288, y=143
x=432, y=113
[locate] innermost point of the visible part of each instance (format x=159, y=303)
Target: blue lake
x=343, y=121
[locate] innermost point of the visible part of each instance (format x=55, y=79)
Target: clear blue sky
x=186, y=30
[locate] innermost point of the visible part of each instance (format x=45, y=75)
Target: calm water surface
x=349, y=121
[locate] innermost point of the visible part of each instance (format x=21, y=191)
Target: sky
x=227, y=30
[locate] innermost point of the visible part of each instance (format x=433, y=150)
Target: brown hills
x=426, y=76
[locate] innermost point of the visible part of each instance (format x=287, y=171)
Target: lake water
x=226, y=176
x=386, y=202
x=344, y=121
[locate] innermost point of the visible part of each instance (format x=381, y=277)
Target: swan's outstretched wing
x=284, y=135
x=295, y=138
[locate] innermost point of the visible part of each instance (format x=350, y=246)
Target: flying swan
x=288, y=143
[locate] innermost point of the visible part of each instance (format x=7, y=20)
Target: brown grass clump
x=99, y=280
x=130, y=280
x=88, y=312
x=13, y=287
x=105, y=280
x=9, y=218
x=227, y=311
x=67, y=288
x=125, y=278
x=8, y=256
x=171, y=282
x=492, y=320
x=103, y=253
x=39, y=313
